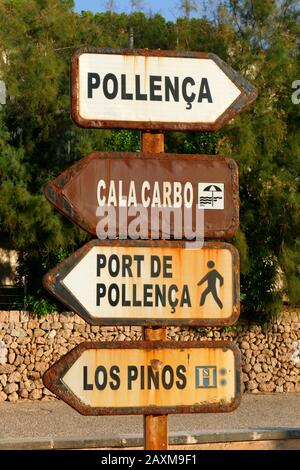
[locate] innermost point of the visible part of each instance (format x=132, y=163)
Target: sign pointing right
x=163, y=90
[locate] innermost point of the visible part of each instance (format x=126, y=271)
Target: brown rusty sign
x=177, y=196
x=150, y=283
x=148, y=377
x=150, y=89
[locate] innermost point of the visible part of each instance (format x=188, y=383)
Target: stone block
x=4, y=316
x=24, y=317
x=36, y=394
x=3, y=396
x=13, y=397
x=10, y=388
x=14, y=316
x=18, y=332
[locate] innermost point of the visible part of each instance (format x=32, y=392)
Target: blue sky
x=167, y=8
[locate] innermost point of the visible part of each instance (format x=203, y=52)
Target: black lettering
x=148, y=294
x=138, y=259
x=114, y=272
x=93, y=83
x=167, y=266
x=124, y=94
x=101, y=370
x=188, y=98
x=185, y=298
x=153, y=378
x=135, y=302
x=173, y=89
x=160, y=295
x=204, y=92
x=155, y=87
x=142, y=377
x=132, y=375
x=126, y=266
x=86, y=386
x=110, y=95
x=113, y=288
x=125, y=303
x=172, y=302
x=115, y=383
x=180, y=372
x=101, y=263
x=167, y=384
x=155, y=266
x=101, y=291
x=138, y=95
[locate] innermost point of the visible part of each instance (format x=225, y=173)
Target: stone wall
x=28, y=346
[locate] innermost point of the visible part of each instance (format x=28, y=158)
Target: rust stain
x=156, y=364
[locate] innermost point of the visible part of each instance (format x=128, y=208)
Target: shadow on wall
x=8, y=265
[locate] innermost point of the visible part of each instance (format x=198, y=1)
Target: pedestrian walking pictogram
x=211, y=279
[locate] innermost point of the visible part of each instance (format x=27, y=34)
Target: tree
x=37, y=127
x=186, y=7
x=137, y=5
x=266, y=143
x=110, y=5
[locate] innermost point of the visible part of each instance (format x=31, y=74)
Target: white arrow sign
x=134, y=282
x=155, y=90
x=146, y=377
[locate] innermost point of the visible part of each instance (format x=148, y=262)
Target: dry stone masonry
x=28, y=346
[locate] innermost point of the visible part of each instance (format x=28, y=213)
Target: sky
x=167, y=8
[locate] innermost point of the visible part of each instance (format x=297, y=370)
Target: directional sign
x=148, y=377
x=170, y=187
x=150, y=283
x=163, y=90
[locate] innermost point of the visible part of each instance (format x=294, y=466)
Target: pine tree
x=187, y=7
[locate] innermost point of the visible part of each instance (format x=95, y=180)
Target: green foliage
x=38, y=139
x=123, y=141
x=193, y=142
x=228, y=329
x=38, y=305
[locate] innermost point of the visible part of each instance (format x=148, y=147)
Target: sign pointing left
x=150, y=283
x=177, y=187
x=148, y=377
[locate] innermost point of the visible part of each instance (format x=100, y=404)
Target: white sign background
x=223, y=91
x=188, y=267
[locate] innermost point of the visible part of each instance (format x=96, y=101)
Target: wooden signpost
x=151, y=283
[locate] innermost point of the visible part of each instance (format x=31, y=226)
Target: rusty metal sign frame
x=247, y=96
x=52, y=281
x=54, y=191
x=52, y=378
